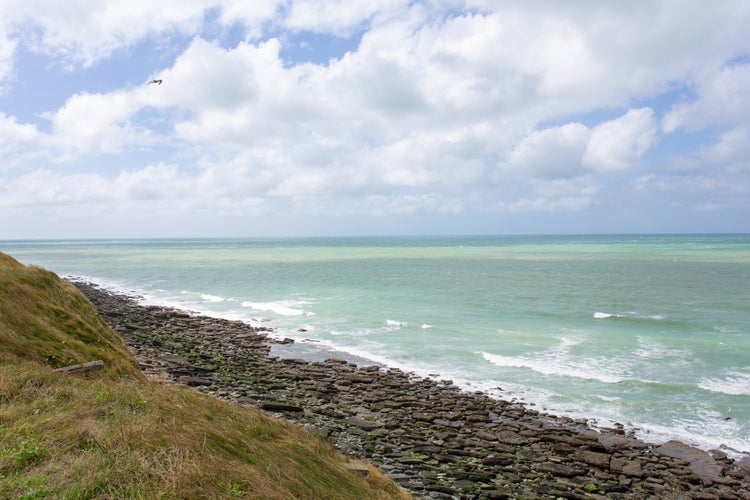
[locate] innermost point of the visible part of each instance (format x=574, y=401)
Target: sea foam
x=284, y=308
x=212, y=298
x=651, y=349
x=603, y=315
x=628, y=315
x=557, y=361
x=734, y=382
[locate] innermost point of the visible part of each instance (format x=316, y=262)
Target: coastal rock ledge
x=432, y=438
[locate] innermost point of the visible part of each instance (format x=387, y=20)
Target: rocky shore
x=432, y=438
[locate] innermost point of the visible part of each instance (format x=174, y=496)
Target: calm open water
x=649, y=331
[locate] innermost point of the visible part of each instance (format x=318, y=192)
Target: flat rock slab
x=194, y=381
x=600, y=460
x=434, y=439
x=363, y=423
x=701, y=463
x=560, y=470
x=271, y=406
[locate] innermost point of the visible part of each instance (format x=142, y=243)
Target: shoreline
x=299, y=345
x=434, y=439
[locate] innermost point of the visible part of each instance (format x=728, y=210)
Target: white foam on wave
x=733, y=382
x=558, y=361
x=373, y=353
x=545, y=366
x=361, y=332
x=609, y=399
x=628, y=315
x=707, y=430
x=163, y=298
x=212, y=298
x=603, y=315
x=404, y=324
x=117, y=287
x=651, y=349
x=282, y=308
x=697, y=433
x=196, y=297
x=728, y=329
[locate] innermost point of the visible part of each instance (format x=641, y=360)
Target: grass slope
x=114, y=434
x=45, y=319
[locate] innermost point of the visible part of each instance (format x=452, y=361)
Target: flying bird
x=158, y=82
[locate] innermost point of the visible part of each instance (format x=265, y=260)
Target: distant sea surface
x=649, y=331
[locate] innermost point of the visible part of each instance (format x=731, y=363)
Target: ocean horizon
x=650, y=331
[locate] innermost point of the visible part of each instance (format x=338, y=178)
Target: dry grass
x=113, y=434
x=45, y=319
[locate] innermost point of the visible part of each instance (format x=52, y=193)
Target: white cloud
x=12, y=132
x=731, y=150
x=440, y=108
x=231, y=94
x=555, y=195
x=338, y=17
x=7, y=49
x=718, y=191
x=17, y=141
x=723, y=98
x=137, y=191
x=552, y=152
x=155, y=182
x=618, y=144
x=98, y=123
x=253, y=18
x=573, y=149
x=86, y=31
x=40, y=190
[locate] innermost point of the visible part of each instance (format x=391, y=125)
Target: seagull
x=158, y=82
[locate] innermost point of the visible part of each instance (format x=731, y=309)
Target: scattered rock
x=362, y=423
x=593, y=458
x=280, y=407
x=703, y=465
x=499, y=460
x=559, y=470
x=430, y=437
x=194, y=381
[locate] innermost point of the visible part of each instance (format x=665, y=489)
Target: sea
x=648, y=331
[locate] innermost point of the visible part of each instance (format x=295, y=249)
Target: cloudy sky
x=302, y=117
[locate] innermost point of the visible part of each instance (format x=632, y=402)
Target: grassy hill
x=114, y=434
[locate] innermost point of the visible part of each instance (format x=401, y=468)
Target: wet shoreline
x=432, y=438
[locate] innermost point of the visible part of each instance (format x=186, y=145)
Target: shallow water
x=650, y=331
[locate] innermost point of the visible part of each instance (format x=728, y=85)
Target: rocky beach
x=432, y=438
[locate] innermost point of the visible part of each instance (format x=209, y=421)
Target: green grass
x=46, y=319
x=114, y=434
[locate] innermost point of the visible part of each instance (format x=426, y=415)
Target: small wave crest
x=628, y=315
x=284, y=308
x=212, y=298
x=603, y=315
x=734, y=383
x=651, y=349
x=109, y=285
x=554, y=366
x=404, y=324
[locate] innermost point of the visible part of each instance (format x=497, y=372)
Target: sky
x=376, y=117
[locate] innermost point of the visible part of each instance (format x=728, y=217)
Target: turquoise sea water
x=649, y=331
